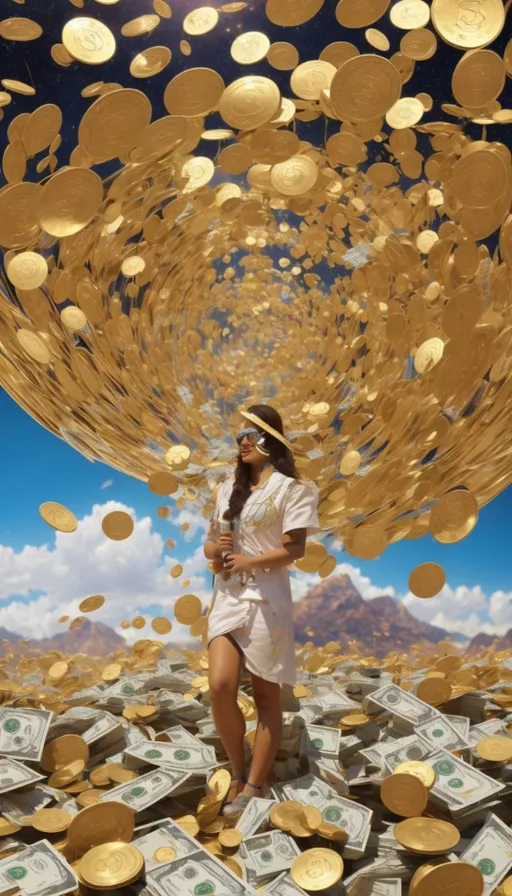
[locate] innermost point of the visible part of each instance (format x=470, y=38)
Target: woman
x=270, y=513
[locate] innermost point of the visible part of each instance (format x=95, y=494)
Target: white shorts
x=264, y=637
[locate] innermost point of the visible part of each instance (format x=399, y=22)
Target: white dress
x=259, y=614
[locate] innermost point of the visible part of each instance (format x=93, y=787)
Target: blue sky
x=39, y=467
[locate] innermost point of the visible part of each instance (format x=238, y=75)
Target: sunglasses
x=252, y=435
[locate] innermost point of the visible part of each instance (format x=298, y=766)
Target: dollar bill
x=441, y=734
x=320, y=740
x=486, y=729
x=15, y=806
x=179, y=735
x=366, y=887
x=389, y=755
x=354, y=818
x=491, y=852
x=105, y=725
x=14, y=775
x=254, y=816
x=460, y=723
x=283, y=886
x=147, y=789
x=403, y=704
x=197, y=874
x=168, y=835
x=188, y=757
x=266, y=855
x=39, y=870
x=23, y=732
x=458, y=785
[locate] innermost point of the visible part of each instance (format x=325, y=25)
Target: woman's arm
x=292, y=549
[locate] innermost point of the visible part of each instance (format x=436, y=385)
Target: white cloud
x=107, y=483
x=464, y=609
x=196, y=522
x=131, y=574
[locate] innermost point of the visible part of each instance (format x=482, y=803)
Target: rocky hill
x=92, y=638
x=335, y=611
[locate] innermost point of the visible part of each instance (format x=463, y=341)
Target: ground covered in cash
x=392, y=779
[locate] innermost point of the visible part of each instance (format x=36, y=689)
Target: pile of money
x=117, y=785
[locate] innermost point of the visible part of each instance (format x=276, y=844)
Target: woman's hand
x=224, y=544
x=238, y=563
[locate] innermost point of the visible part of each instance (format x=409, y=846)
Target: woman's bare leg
x=225, y=666
x=267, y=696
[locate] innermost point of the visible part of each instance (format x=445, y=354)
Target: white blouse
x=279, y=506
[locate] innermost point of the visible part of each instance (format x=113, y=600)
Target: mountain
x=335, y=611
x=92, y=638
x=483, y=642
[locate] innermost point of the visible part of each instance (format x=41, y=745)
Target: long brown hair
x=280, y=457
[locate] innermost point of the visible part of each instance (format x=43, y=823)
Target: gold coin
x=18, y=215
x=316, y=869
x=410, y=14
x=111, y=672
x=427, y=580
x=88, y=40
x=60, y=55
x=73, y=318
x=339, y=52
x=405, y=113
x=201, y=20
x=250, y=47
x=161, y=625
x=176, y=571
x=355, y=719
x=149, y=62
x=249, y=102
x=58, y=671
x=27, y=271
x=458, y=876
x=313, y=817
x=468, y=33
x=34, y=347
x=101, y=823
x=404, y=795
x=51, y=821
x=67, y=773
x=140, y=25
x=506, y=886
x=194, y=92
x=163, y=483
x=69, y=201
x=63, y=750
x=230, y=838
x=327, y=568
x=428, y=355
x=18, y=87
x=495, y=749
x=219, y=784
x=5, y=99
x=164, y=854
x=198, y=172
x=350, y=463
x=434, y=691
x=7, y=827
x=283, y=56
x=113, y=124
x=478, y=78
x=41, y=129
x=19, y=28
x=117, y=525
x=310, y=78
x=290, y=13
x=420, y=770
x=197, y=628
x=350, y=103
x=111, y=865
x=453, y=516
x=187, y=609
x=429, y=836
x=89, y=604
x=138, y=622
x=377, y=39
x=419, y=44
x=89, y=797
x=295, y=176
x=132, y=266
x=162, y=9
x=185, y=47
x=368, y=542
x=359, y=15
x=58, y=516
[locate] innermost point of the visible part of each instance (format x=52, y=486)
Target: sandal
x=239, y=804
x=225, y=801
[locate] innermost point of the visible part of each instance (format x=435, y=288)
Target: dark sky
x=63, y=86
